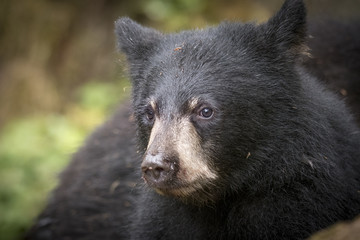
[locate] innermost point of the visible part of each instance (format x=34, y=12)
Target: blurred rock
x=340, y=231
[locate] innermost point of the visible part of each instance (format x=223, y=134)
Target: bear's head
x=207, y=101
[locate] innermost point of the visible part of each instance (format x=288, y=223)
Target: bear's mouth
x=183, y=191
x=197, y=193
x=173, y=186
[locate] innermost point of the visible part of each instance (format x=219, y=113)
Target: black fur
x=286, y=150
x=96, y=193
x=335, y=47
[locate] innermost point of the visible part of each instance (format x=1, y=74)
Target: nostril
x=152, y=167
x=157, y=171
x=154, y=172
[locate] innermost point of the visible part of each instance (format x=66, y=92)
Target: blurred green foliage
x=34, y=149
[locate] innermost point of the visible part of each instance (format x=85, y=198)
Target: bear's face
x=197, y=114
x=179, y=115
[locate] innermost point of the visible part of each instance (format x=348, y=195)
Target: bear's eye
x=149, y=114
x=206, y=113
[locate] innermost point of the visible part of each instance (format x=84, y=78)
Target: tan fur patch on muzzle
x=181, y=137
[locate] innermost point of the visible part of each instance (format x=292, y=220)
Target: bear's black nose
x=158, y=170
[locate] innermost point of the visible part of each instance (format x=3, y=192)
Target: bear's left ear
x=136, y=41
x=287, y=29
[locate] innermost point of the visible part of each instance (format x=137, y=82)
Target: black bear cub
x=235, y=141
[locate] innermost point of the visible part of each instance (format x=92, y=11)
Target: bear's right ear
x=136, y=41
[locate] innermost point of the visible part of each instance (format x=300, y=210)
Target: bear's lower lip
x=176, y=191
